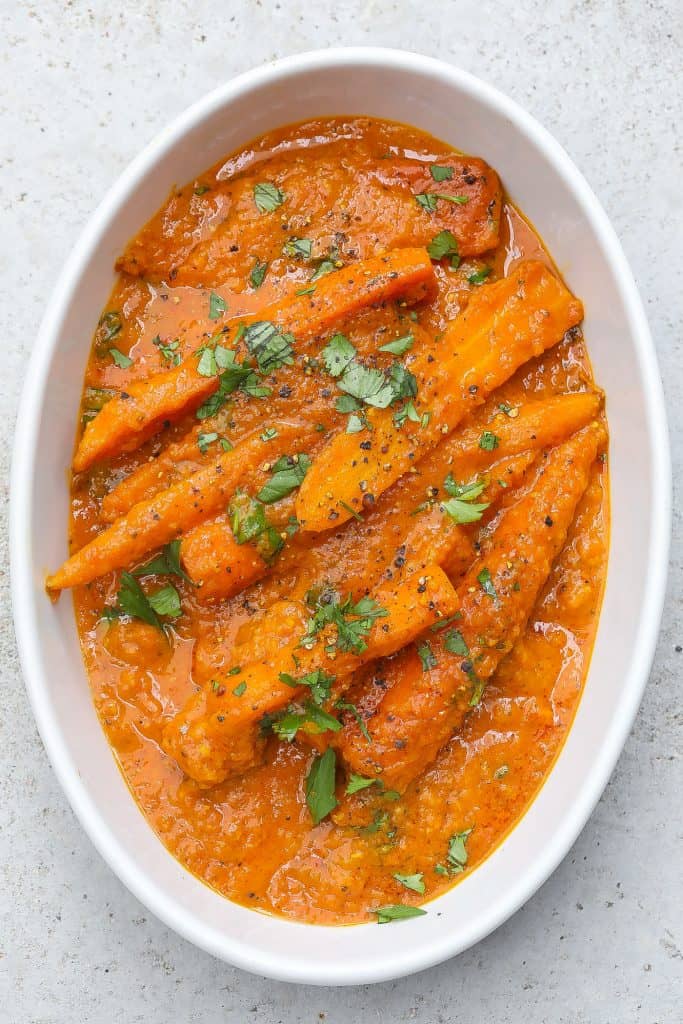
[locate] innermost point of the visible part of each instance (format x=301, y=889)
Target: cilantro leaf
x=268, y=196
x=318, y=682
x=463, y=511
x=413, y=882
x=457, y=851
x=397, y=912
x=300, y=248
x=455, y=643
x=488, y=441
x=133, y=601
x=399, y=346
x=167, y=563
x=324, y=267
x=312, y=719
x=121, y=360
x=486, y=582
x=288, y=473
x=249, y=522
x=270, y=347
x=320, y=785
x=352, y=622
x=440, y=173
x=166, y=602
x=442, y=245
x=426, y=656
x=357, y=783
x=479, y=276
x=337, y=354
x=168, y=350
x=258, y=274
x=217, y=306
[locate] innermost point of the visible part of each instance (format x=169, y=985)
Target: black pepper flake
x=333, y=515
x=285, y=391
x=368, y=500
x=366, y=445
x=473, y=389
x=548, y=521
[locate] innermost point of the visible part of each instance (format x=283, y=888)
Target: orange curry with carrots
x=339, y=519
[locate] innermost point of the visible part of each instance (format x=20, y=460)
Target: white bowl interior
x=541, y=180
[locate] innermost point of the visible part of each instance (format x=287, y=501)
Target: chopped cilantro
x=440, y=173
x=488, y=441
x=479, y=276
x=258, y=274
x=121, y=360
x=399, y=346
x=270, y=347
x=268, y=196
x=426, y=656
x=486, y=582
x=445, y=244
x=352, y=621
x=397, y=912
x=337, y=354
x=462, y=508
x=249, y=523
x=239, y=689
x=167, y=563
x=217, y=306
x=168, y=350
x=455, y=643
x=318, y=682
x=320, y=785
x=413, y=882
x=300, y=248
x=133, y=601
x=288, y=473
x=357, y=783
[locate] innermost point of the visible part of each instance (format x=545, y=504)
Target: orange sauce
x=252, y=838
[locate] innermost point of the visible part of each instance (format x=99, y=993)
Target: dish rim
x=225, y=946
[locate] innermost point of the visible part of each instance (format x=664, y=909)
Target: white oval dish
x=542, y=179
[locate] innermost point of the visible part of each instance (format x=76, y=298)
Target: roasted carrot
x=160, y=519
x=416, y=708
x=503, y=326
x=147, y=405
x=217, y=735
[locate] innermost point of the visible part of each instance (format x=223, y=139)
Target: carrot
x=217, y=734
x=146, y=406
x=415, y=711
x=222, y=567
x=503, y=326
x=160, y=519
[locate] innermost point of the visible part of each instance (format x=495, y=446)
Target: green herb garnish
x=440, y=173
x=268, y=196
x=445, y=244
x=488, y=441
x=413, y=882
x=397, y=912
x=288, y=473
x=217, y=306
x=167, y=563
x=426, y=656
x=258, y=274
x=320, y=784
x=479, y=276
x=121, y=360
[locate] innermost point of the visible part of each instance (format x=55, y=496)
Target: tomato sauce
x=251, y=837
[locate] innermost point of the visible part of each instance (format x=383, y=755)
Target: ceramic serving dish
x=541, y=178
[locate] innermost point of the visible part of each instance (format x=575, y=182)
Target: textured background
x=82, y=87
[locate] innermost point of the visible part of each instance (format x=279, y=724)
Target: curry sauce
x=340, y=519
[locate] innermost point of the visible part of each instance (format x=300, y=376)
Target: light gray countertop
x=83, y=85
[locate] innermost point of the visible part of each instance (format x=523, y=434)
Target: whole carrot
x=419, y=705
x=146, y=406
x=504, y=325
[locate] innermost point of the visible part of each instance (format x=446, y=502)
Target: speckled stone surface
x=82, y=87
